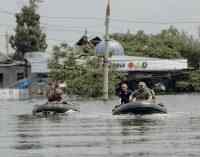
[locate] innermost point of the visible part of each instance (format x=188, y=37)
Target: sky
x=67, y=20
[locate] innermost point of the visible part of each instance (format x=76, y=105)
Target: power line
x=58, y=17
x=59, y=40
x=73, y=18
x=128, y=21
x=154, y=22
x=6, y=25
x=50, y=26
x=73, y=30
x=6, y=12
x=165, y=22
x=47, y=27
x=51, y=39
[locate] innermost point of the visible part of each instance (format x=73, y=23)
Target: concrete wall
x=14, y=94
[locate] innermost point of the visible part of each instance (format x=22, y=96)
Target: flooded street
x=94, y=132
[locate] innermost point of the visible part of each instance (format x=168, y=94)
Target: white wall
x=14, y=94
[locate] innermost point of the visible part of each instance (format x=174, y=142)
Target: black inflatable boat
x=53, y=108
x=139, y=108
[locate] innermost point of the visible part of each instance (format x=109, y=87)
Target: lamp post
x=106, y=53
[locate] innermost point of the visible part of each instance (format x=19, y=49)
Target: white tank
x=114, y=47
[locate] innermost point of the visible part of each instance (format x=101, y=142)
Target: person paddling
x=143, y=93
x=54, y=92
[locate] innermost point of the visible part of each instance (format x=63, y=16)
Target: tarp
x=23, y=84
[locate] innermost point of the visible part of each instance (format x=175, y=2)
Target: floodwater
x=94, y=132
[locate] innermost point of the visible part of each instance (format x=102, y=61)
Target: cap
x=62, y=85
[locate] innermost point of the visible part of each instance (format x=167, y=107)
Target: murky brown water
x=94, y=132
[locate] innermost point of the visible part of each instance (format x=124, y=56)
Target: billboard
x=130, y=63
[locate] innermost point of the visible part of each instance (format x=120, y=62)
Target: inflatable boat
x=139, y=108
x=53, y=108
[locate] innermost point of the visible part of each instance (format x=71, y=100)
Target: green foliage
x=83, y=75
x=191, y=84
x=195, y=80
x=169, y=43
x=28, y=34
x=184, y=86
x=191, y=51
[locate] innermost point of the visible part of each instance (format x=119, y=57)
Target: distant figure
x=160, y=86
x=118, y=87
x=54, y=92
x=125, y=93
x=143, y=93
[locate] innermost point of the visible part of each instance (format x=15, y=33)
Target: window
x=20, y=76
x=1, y=80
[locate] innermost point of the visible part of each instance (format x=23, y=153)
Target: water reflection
x=27, y=137
x=139, y=124
x=138, y=129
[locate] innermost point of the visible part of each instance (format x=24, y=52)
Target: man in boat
x=55, y=92
x=125, y=93
x=118, y=87
x=143, y=93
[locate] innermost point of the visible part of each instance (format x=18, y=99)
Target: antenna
x=86, y=32
x=106, y=53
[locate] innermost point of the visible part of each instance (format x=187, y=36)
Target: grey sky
x=137, y=15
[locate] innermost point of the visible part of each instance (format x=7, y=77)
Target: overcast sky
x=66, y=20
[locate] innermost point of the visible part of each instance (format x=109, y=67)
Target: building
x=12, y=74
x=12, y=71
x=155, y=72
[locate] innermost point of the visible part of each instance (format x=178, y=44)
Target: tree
x=28, y=33
x=169, y=43
x=82, y=74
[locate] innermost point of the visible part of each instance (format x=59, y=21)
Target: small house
x=13, y=75
x=12, y=71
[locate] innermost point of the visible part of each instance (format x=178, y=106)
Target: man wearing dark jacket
x=125, y=93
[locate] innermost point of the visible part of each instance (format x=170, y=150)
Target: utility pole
x=106, y=54
x=7, y=43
